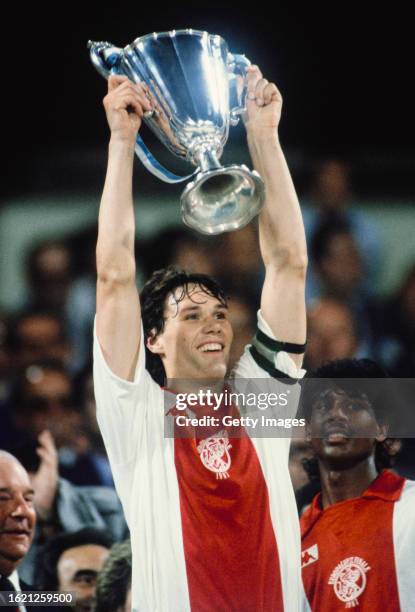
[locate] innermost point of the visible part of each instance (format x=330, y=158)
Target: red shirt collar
x=387, y=486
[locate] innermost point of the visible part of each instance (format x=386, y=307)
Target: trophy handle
x=155, y=167
x=237, y=68
x=106, y=59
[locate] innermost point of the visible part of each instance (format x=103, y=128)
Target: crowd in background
x=45, y=350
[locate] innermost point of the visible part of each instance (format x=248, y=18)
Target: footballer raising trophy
x=196, y=89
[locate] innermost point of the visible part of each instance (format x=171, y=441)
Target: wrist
x=122, y=143
x=262, y=137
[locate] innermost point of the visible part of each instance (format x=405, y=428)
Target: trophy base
x=222, y=200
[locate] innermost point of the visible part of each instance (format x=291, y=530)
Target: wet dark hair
x=352, y=377
x=153, y=301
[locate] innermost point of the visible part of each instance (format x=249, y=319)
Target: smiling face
x=343, y=430
x=17, y=513
x=196, y=338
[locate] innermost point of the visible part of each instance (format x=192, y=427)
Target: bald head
x=17, y=513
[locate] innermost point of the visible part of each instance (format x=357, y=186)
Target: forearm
x=281, y=229
x=116, y=225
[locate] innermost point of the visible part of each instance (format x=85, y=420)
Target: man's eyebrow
x=187, y=308
x=85, y=573
x=198, y=306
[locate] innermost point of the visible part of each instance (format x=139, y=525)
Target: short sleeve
x=123, y=406
x=249, y=367
x=254, y=375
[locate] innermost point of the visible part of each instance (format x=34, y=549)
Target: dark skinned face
x=343, y=430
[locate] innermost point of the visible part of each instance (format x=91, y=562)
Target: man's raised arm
x=118, y=306
x=281, y=230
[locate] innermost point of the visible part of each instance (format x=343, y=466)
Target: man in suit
x=17, y=525
x=17, y=519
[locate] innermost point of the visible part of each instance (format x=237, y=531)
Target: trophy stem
x=206, y=159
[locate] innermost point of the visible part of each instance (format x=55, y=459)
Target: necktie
x=7, y=585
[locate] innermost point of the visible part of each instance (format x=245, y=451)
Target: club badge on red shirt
x=214, y=454
x=349, y=580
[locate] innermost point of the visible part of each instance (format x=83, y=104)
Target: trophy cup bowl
x=197, y=90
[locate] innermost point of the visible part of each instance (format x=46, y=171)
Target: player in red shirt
x=358, y=534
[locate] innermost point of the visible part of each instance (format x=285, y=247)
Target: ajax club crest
x=349, y=580
x=214, y=454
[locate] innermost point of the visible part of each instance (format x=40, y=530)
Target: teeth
x=212, y=346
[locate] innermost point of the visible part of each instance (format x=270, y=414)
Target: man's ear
x=155, y=343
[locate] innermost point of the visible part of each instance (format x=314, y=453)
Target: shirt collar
x=14, y=579
x=387, y=486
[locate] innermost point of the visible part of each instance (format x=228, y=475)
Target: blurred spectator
x=5, y=358
x=340, y=273
x=336, y=258
x=398, y=324
x=85, y=399
x=61, y=506
x=43, y=398
x=49, y=274
x=332, y=195
x=113, y=592
x=179, y=247
x=55, y=288
x=238, y=263
x=37, y=335
x=71, y=562
x=243, y=320
x=331, y=333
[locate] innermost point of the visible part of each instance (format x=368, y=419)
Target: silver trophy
x=197, y=89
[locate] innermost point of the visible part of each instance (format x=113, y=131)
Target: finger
x=259, y=91
x=139, y=88
x=43, y=453
x=271, y=93
x=252, y=77
x=132, y=91
x=115, y=80
x=130, y=102
x=46, y=441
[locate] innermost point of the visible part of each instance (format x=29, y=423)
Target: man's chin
x=213, y=367
x=215, y=371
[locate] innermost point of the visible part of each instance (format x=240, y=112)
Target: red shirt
x=229, y=543
x=348, y=557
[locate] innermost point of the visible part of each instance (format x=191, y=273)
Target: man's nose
x=21, y=509
x=338, y=410
x=213, y=325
